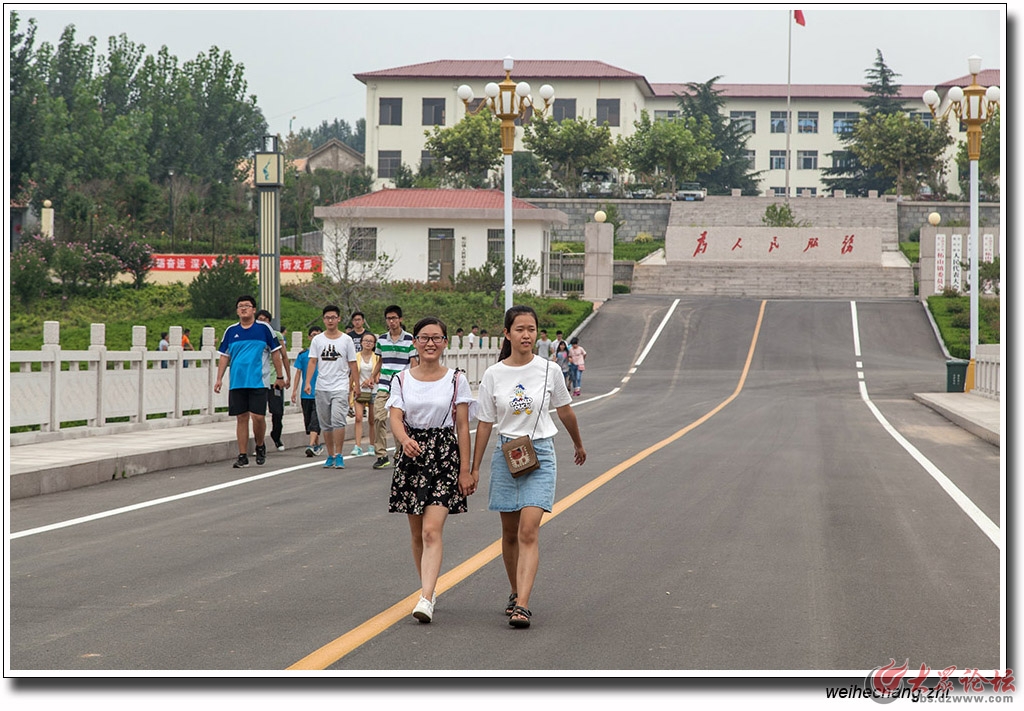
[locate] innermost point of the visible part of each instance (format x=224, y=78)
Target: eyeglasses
x=392, y=318
x=430, y=339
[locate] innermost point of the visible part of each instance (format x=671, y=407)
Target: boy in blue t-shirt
x=242, y=346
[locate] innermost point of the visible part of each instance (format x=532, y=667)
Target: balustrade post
x=139, y=346
x=174, y=336
x=98, y=345
x=209, y=347
x=51, y=345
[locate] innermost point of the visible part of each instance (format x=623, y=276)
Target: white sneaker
x=357, y=451
x=424, y=610
x=371, y=452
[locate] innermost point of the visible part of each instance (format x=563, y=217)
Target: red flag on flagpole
x=798, y=15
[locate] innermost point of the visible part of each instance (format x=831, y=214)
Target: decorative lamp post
x=974, y=105
x=508, y=101
x=268, y=176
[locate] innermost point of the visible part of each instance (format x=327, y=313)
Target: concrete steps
x=778, y=281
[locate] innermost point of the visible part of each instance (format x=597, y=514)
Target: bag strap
x=540, y=412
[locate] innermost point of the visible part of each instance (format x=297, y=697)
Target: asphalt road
x=741, y=508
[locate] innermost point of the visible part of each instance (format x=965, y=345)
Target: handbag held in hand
x=520, y=456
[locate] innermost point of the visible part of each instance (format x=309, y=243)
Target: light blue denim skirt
x=534, y=489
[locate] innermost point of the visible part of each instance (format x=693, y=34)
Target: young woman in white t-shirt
x=514, y=397
x=429, y=412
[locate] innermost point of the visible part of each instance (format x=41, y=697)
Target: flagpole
x=789, y=117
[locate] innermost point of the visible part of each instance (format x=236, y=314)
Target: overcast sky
x=300, y=61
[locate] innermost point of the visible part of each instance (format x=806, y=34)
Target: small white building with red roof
x=431, y=234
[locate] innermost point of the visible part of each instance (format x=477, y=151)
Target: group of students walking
x=429, y=406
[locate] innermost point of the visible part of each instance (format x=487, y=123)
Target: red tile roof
x=797, y=91
x=986, y=77
x=436, y=198
x=492, y=69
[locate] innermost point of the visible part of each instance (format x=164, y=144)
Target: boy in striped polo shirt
x=397, y=351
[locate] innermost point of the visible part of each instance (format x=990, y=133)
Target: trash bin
x=956, y=375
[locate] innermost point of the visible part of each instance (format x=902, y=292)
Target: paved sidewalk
x=61, y=464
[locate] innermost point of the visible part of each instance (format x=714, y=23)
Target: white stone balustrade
x=52, y=387
x=986, y=371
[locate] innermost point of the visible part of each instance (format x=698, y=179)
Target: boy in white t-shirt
x=332, y=356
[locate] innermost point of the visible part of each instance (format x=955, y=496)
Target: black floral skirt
x=429, y=479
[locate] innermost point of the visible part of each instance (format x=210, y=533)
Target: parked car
x=640, y=192
x=691, y=191
x=600, y=183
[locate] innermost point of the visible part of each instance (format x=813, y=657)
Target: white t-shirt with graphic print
x=512, y=397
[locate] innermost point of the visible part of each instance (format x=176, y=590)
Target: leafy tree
x=528, y=173
x=490, y=278
x=729, y=138
x=776, y=215
x=569, y=147
x=903, y=148
x=30, y=274
x=988, y=162
x=354, y=138
x=848, y=173
x=214, y=290
x=677, y=149
x=25, y=90
x=465, y=153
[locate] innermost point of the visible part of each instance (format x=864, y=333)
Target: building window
x=778, y=160
x=750, y=158
x=496, y=244
x=563, y=109
x=390, y=112
x=527, y=115
x=806, y=121
x=842, y=159
x=807, y=160
x=778, y=121
x=747, y=117
x=807, y=192
x=779, y=191
x=362, y=244
x=608, y=112
x=433, y=112
x=844, y=121
x=665, y=114
x=925, y=116
x=388, y=163
x=426, y=160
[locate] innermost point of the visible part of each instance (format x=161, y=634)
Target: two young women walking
x=429, y=410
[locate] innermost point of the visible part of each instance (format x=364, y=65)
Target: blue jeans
x=575, y=376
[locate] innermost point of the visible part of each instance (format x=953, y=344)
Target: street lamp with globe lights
x=509, y=101
x=973, y=105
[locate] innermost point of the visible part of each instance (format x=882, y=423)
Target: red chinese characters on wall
x=702, y=244
x=195, y=262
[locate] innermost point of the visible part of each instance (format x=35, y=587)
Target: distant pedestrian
x=186, y=343
x=366, y=364
x=515, y=396
x=397, y=352
x=163, y=346
x=474, y=337
x=577, y=359
x=561, y=358
x=243, y=345
x=544, y=345
x=484, y=338
x=309, y=418
x=558, y=339
x=429, y=413
x=275, y=395
x=332, y=355
x=356, y=333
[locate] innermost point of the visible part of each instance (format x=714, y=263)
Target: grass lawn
x=952, y=315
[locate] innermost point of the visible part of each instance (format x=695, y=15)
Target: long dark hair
x=510, y=318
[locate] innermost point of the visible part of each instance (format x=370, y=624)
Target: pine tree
x=729, y=138
x=883, y=98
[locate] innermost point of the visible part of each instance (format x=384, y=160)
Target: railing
x=59, y=390
x=986, y=371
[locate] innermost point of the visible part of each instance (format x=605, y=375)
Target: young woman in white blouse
x=429, y=413
x=514, y=397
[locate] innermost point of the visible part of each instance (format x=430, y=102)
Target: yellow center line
x=346, y=643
